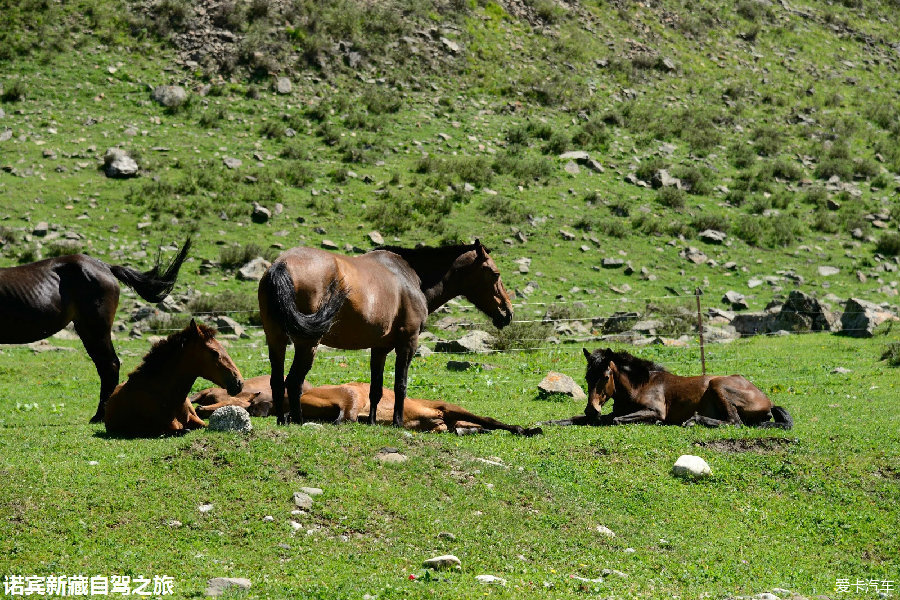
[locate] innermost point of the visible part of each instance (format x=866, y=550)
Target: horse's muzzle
x=503, y=319
x=235, y=387
x=590, y=412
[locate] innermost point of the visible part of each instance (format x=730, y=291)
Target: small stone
x=268, y=519
x=689, y=466
x=711, y=236
x=559, y=383
x=253, y=270
x=260, y=214
x=606, y=531
x=170, y=96
x=841, y=371
x=446, y=535
x=231, y=418
x=827, y=271
x=232, y=163
x=312, y=491
x=490, y=580
x=283, y=85
x=205, y=508
x=444, y=562
x=390, y=455
x=303, y=500
x=219, y=585
x=376, y=238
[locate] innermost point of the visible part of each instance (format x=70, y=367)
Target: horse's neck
x=437, y=290
x=172, y=384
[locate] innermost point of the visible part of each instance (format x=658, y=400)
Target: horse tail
x=153, y=285
x=781, y=419
x=283, y=303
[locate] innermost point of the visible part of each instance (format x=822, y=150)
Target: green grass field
x=795, y=510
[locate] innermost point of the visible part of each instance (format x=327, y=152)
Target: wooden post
x=698, y=293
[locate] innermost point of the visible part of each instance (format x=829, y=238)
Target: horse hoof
x=533, y=432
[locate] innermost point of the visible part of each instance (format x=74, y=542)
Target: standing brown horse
x=379, y=300
x=39, y=299
x=645, y=392
x=152, y=401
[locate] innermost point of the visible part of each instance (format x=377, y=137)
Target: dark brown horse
x=379, y=300
x=39, y=299
x=350, y=402
x=645, y=392
x=152, y=401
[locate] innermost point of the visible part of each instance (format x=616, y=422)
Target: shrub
x=888, y=244
x=521, y=336
x=709, y=221
x=671, y=197
x=527, y=168
x=784, y=231
x=742, y=155
x=238, y=255
x=892, y=354
x=647, y=168
x=225, y=302
x=696, y=179
x=785, y=169
x=272, y=130
x=749, y=229
x=766, y=141
x=592, y=135
x=294, y=151
x=677, y=319
x=295, y=174
x=212, y=117
x=379, y=102
x=557, y=144
x=518, y=135
x=816, y=196
x=503, y=209
x=14, y=93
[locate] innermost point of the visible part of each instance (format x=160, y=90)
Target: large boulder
x=861, y=317
x=752, y=323
x=254, y=270
x=230, y=418
x=170, y=96
x=802, y=312
x=559, y=384
x=475, y=341
x=691, y=467
x=117, y=164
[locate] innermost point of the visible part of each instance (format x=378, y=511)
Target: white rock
x=231, y=418
x=490, y=580
x=690, y=466
x=311, y=491
x=606, y=531
x=303, y=500
x=205, y=508
x=446, y=561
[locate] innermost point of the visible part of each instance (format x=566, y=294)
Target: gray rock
x=735, y=300
x=662, y=179
x=443, y=563
x=329, y=245
x=118, y=165
x=711, y=236
x=802, y=312
x=826, y=271
x=231, y=418
x=577, y=155
x=612, y=263
x=228, y=325
x=41, y=229
x=219, y=585
x=693, y=255
x=558, y=383
x=170, y=96
x=490, y=580
x=376, y=238
x=303, y=500
x=571, y=168
x=6, y=135
x=861, y=317
x=604, y=530
x=450, y=45
x=840, y=371
x=390, y=455
x=475, y=341
x=254, y=270
x=720, y=335
x=691, y=467
x=567, y=235
x=260, y=214
x=312, y=491
x=283, y=85
x=232, y=163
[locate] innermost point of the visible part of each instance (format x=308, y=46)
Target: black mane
x=155, y=360
x=431, y=263
x=637, y=369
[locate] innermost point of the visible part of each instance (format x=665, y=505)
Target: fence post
x=698, y=293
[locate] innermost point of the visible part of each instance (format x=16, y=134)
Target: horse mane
x=637, y=369
x=430, y=263
x=155, y=360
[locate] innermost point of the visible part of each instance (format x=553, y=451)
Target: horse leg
x=100, y=348
x=641, y=416
x=376, y=387
x=719, y=395
x=276, y=380
x=401, y=373
x=303, y=360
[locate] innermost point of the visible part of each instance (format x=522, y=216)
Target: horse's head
x=211, y=361
x=481, y=285
x=601, y=378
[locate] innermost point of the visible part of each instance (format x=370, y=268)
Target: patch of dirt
x=756, y=445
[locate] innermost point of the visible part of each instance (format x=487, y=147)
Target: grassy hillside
x=432, y=121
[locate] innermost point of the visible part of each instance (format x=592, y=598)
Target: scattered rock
x=390, y=455
x=475, y=341
x=826, y=271
x=567, y=235
x=694, y=255
x=170, y=96
x=228, y=325
x=661, y=179
x=303, y=500
x=117, y=164
x=612, y=263
x=735, y=300
x=231, y=418
x=205, y=508
x=446, y=535
x=232, y=163
x=329, y=245
x=558, y=383
x=604, y=530
x=802, y=312
x=260, y=214
x=840, y=371
x=861, y=317
x=691, y=467
x=283, y=85
x=711, y=236
x=443, y=563
x=571, y=168
x=376, y=238
x=312, y=491
x=41, y=229
x=253, y=270
x=219, y=585
x=490, y=580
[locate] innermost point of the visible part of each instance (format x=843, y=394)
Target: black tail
x=780, y=419
x=152, y=285
x=283, y=303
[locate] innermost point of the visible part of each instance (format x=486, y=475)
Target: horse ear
x=612, y=367
x=479, y=250
x=194, y=327
x=587, y=354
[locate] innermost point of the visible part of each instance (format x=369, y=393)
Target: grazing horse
x=350, y=401
x=40, y=298
x=378, y=300
x=152, y=401
x=645, y=392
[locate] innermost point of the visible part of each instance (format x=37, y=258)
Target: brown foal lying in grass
x=350, y=402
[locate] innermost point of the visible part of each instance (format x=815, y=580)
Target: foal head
x=610, y=372
x=481, y=285
x=206, y=357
